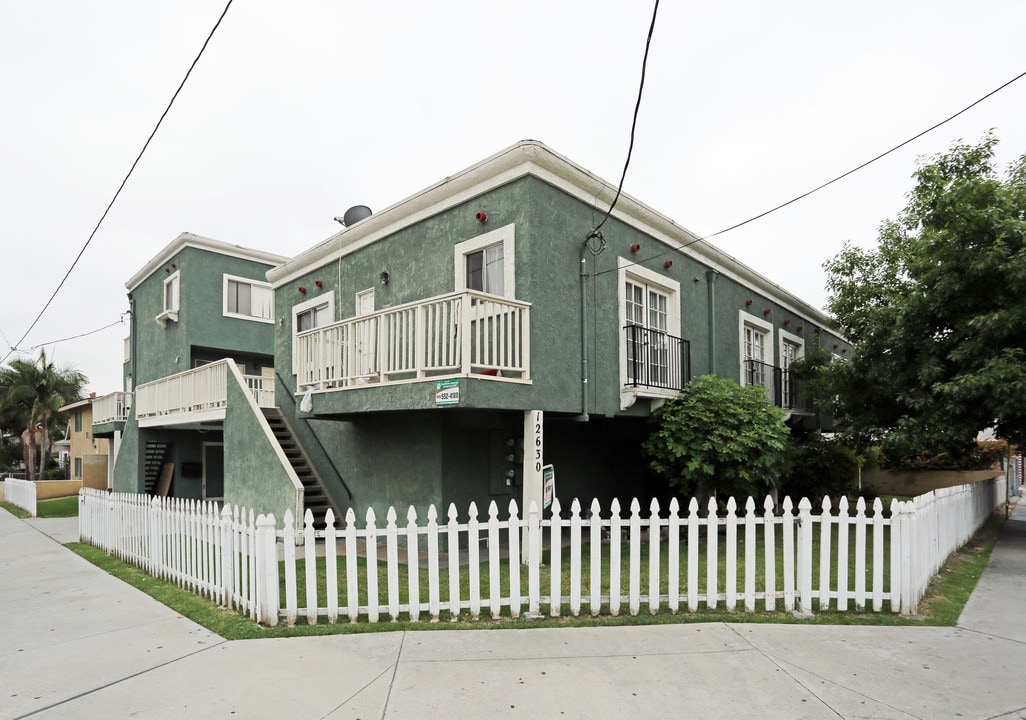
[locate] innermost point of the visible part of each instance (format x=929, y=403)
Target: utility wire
x=829, y=182
x=634, y=123
x=123, y=182
x=120, y=321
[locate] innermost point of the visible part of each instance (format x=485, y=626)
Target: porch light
x=384, y=277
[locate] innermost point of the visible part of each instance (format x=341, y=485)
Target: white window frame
x=170, y=310
x=746, y=319
x=784, y=339
x=253, y=284
x=506, y=236
x=299, y=309
x=638, y=275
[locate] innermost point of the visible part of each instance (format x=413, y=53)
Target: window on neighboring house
x=653, y=357
x=486, y=263
x=309, y=315
x=78, y=467
x=248, y=299
x=78, y=421
x=756, y=351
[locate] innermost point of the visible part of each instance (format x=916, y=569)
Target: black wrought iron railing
x=782, y=388
x=656, y=359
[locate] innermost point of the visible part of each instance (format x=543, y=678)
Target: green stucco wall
x=161, y=351
x=253, y=475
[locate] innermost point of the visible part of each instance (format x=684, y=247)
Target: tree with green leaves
x=718, y=438
x=937, y=312
x=31, y=392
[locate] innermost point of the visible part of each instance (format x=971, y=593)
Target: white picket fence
x=835, y=559
x=21, y=493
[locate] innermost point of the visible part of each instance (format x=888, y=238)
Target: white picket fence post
x=267, y=600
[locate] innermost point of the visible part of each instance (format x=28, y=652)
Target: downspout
x=583, y=417
x=710, y=283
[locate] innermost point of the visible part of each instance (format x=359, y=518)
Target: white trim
x=784, y=336
x=201, y=243
x=506, y=235
x=170, y=311
x=628, y=271
x=226, y=278
x=326, y=297
x=746, y=318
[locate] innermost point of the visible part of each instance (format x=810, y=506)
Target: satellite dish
x=355, y=214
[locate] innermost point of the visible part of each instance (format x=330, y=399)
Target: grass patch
x=943, y=603
x=54, y=508
x=58, y=507
x=15, y=510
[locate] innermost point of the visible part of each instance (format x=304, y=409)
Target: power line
x=119, y=321
x=634, y=122
x=829, y=182
x=123, y=182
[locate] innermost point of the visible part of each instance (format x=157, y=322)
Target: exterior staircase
x=153, y=462
x=315, y=497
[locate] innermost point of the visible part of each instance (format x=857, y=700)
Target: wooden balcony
x=455, y=335
x=197, y=395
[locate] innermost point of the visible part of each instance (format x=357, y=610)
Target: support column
x=534, y=459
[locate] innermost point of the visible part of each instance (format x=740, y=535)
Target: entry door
x=213, y=471
x=366, y=334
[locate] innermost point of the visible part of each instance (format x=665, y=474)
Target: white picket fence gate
x=836, y=558
x=21, y=493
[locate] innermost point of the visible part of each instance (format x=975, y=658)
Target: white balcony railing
x=113, y=407
x=456, y=334
x=197, y=394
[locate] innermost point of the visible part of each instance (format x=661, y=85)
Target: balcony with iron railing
x=656, y=360
x=196, y=395
x=464, y=334
x=782, y=388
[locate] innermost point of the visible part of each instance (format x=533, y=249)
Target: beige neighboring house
x=89, y=454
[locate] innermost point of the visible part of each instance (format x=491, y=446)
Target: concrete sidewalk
x=77, y=643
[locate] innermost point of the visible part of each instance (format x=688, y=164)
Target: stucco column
x=534, y=459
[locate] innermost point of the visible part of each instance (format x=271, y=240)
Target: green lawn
x=55, y=508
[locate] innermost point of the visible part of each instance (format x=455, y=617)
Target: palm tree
x=30, y=394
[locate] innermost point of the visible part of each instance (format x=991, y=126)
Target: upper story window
x=248, y=299
x=486, y=263
x=654, y=359
x=172, y=294
x=792, y=349
x=78, y=421
x=309, y=315
x=171, y=300
x=756, y=350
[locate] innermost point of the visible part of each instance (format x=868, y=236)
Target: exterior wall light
x=384, y=277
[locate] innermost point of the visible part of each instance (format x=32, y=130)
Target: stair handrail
x=309, y=427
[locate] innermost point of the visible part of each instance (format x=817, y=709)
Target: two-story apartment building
x=88, y=455
x=449, y=347
x=198, y=372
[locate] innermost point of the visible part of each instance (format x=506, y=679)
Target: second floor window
x=248, y=299
x=484, y=270
x=171, y=294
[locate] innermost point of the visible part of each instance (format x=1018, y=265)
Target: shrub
x=718, y=437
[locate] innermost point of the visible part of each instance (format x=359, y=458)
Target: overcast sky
x=301, y=109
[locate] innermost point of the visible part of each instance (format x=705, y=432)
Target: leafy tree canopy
x=937, y=312
x=30, y=394
x=718, y=437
